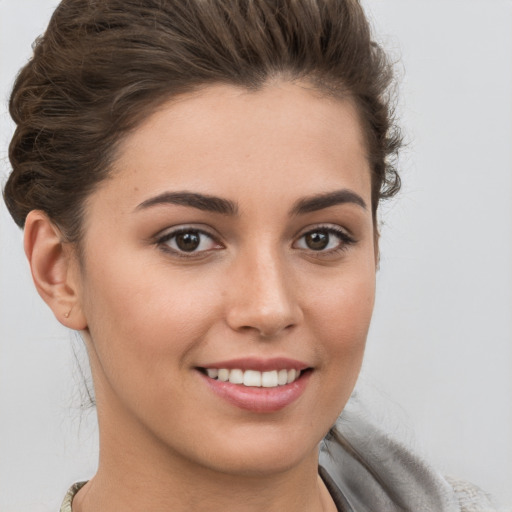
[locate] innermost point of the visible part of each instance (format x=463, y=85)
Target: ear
x=55, y=270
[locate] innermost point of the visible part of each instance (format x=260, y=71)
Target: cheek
x=341, y=317
x=343, y=307
x=144, y=315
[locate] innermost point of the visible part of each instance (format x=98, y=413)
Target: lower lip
x=262, y=400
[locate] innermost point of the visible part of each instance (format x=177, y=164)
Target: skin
x=150, y=317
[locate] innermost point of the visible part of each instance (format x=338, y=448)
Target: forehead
x=283, y=140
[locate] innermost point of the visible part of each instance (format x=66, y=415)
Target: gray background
x=439, y=357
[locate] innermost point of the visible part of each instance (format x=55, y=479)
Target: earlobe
x=54, y=271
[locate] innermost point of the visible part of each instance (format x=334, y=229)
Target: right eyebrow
x=326, y=200
x=194, y=200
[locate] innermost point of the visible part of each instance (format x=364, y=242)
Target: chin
x=263, y=461
x=263, y=450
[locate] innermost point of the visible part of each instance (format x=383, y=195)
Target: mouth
x=254, y=378
x=255, y=385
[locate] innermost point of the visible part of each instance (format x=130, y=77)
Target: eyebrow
x=226, y=207
x=194, y=200
x=321, y=201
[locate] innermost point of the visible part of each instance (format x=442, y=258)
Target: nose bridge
x=263, y=297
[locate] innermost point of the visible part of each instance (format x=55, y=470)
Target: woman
x=199, y=186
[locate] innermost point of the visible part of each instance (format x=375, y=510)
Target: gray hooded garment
x=367, y=471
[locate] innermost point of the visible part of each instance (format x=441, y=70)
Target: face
x=228, y=278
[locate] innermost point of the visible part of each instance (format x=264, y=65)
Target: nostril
x=269, y=312
x=276, y=330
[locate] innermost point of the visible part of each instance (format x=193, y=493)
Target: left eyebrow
x=321, y=201
x=193, y=200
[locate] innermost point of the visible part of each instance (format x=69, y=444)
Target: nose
x=262, y=296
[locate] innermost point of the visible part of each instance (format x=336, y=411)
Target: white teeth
x=254, y=378
x=236, y=376
x=213, y=373
x=291, y=376
x=223, y=375
x=282, y=377
x=269, y=379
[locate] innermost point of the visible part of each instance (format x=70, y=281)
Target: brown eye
x=188, y=241
x=317, y=240
x=324, y=240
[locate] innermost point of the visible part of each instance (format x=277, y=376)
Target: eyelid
x=176, y=229
x=345, y=238
x=326, y=226
x=164, y=236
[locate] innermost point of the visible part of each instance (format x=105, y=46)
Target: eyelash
x=345, y=240
x=163, y=241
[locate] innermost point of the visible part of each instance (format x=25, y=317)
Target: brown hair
x=104, y=65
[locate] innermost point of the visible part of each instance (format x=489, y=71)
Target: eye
x=188, y=242
x=324, y=239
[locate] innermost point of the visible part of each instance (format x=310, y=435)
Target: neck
x=133, y=484
x=138, y=472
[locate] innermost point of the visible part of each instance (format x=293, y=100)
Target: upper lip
x=259, y=364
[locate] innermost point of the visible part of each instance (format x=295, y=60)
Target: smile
x=259, y=386
x=254, y=378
